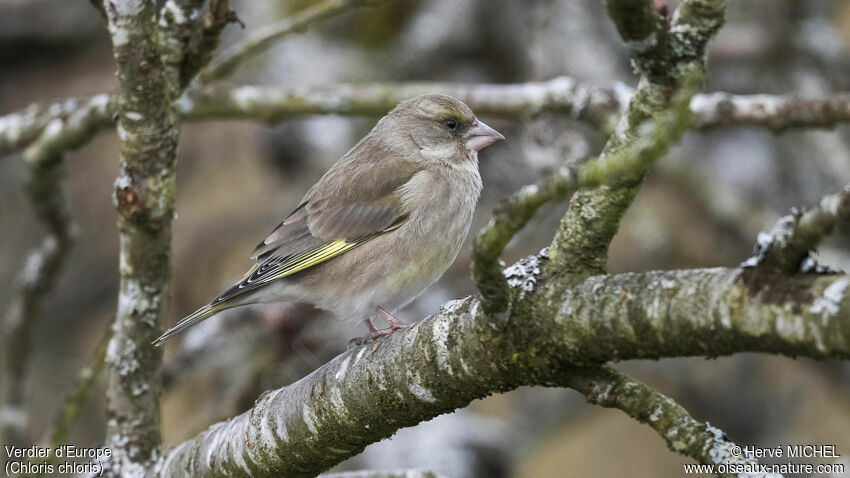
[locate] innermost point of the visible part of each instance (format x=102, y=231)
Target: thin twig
x=37, y=277
x=22, y=128
x=788, y=245
x=704, y=443
x=774, y=112
x=593, y=105
x=264, y=37
x=75, y=402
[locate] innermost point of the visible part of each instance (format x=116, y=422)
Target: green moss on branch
x=609, y=388
x=554, y=326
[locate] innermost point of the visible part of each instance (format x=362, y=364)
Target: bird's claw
x=376, y=334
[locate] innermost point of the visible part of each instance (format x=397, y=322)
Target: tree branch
x=178, y=27
x=20, y=129
x=144, y=197
x=694, y=24
x=190, y=31
x=622, y=167
x=206, y=39
x=586, y=230
x=794, y=236
x=563, y=95
x=264, y=37
x=644, y=31
x=508, y=218
x=38, y=276
x=609, y=388
x=776, y=113
x=593, y=105
x=384, y=474
x=556, y=324
x=74, y=404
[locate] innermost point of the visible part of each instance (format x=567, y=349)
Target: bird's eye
x=451, y=124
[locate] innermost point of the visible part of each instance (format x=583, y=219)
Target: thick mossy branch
x=508, y=218
x=586, y=230
x=740, y=309
x=555, y=325
x=592, y=220
x=795, y=236
x=609, y=388
x=623, y=167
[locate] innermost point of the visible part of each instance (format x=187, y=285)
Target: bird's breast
x=395, y=267
x=441, y=208
x=440, y=202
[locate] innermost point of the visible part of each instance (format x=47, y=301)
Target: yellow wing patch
x=316, y=256
x=328, y=251
x=271, y=270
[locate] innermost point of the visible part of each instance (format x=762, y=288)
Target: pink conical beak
x=480, y=136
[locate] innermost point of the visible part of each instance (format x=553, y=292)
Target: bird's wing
x=352, y=204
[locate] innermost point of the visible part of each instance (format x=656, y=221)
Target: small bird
x=381, y=226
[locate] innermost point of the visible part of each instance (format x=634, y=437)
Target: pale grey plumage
x=383, y=224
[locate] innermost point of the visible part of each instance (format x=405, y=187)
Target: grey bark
x=144, y=197
x=556, y=325
x=594, y=105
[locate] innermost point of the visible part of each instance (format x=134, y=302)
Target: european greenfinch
x=381, y=226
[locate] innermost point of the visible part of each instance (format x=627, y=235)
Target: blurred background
x=701, y=206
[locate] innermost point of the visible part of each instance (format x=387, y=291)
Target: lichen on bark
x=144, y=198
x=553, y=332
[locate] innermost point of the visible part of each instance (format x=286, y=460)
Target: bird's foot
x=393, y=323
x=370, y=337
x=374, y=334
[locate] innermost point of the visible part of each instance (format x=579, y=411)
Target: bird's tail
x=232, y=297
x=198, y=316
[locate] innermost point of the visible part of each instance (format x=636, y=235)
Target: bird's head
x=442, y=128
